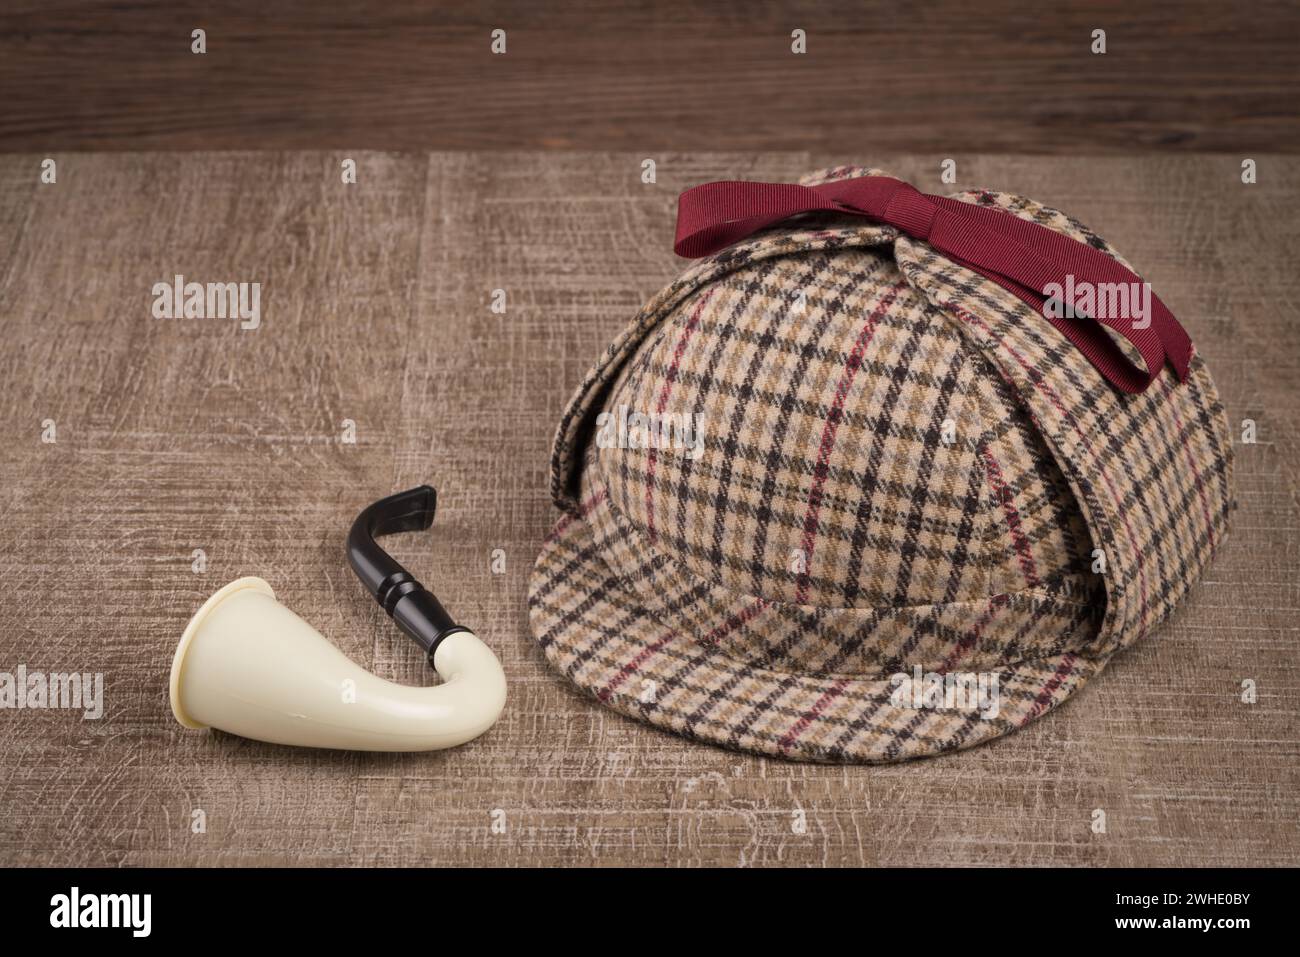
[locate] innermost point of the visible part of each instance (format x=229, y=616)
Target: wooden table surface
x=176, y=435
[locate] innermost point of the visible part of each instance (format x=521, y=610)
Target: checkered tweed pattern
x=899, y=466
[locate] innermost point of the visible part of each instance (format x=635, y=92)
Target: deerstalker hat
x=842, y=493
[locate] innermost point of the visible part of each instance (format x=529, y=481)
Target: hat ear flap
x=1152, y=471
x=578, y=420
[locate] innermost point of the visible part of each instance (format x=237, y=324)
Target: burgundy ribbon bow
x=1022, y=257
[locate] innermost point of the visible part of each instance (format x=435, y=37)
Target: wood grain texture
x=184, y=434
x=935, y=77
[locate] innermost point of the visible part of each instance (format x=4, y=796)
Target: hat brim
x=598, y=634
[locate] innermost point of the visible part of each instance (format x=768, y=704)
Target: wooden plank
x=174, y=435
x=941, y=78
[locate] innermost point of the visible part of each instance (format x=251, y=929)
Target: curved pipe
x=414, y=608
x=248, y=665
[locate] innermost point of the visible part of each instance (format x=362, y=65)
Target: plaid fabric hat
x=835, y=497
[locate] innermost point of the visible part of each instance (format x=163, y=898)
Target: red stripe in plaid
x=996, y=603
x=853, y=362
x=1063, y=671
x=734, y=622
x=1018, y=539
x=669, y=379
x=584, y=510
x=800, y=726
x=633, y=666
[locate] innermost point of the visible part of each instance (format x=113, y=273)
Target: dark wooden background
x=995, y=75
